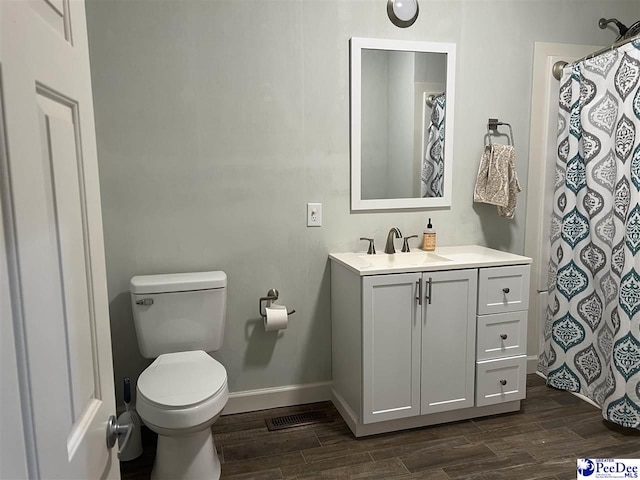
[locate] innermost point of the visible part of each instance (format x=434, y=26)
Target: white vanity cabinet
x=441, y=343
x=503, y=299
x=418, y=333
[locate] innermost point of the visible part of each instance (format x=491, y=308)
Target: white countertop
x=443, y=258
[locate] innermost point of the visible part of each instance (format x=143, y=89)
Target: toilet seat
x=182, y=379
x=182, y=390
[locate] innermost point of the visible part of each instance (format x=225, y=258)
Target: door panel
x=67, y=220
x=63, y=340
x=13, y=455
x=391, y=347
x=56, y=14
x=448, y=340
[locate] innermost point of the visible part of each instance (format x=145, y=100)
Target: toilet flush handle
x=145, y=301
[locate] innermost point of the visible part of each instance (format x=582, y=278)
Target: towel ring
x=492, y=126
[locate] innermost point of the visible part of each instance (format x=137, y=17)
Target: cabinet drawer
x=502, y=335
x=501, y=380
x=503, y=289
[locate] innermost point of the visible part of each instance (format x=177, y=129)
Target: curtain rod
x=432, y=98
x=560, y=64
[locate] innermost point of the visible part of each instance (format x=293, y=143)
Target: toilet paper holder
x=272, y=295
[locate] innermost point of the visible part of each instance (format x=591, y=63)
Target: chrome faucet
x=389, y=247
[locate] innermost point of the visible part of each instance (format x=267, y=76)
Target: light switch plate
x=314, y=214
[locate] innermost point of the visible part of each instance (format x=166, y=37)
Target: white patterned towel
x=497, y=182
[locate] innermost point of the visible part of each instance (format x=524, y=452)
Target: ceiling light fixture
x=403, y=13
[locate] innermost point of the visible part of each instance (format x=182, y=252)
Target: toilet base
x=186, y=457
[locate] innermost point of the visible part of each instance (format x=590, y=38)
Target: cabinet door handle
x=503, y=336
x=503, y=382
x=506, y=290
x=428, y=295
x=419, y=292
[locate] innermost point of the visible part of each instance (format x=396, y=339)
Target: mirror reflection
x=403, y=113
x=401, y=123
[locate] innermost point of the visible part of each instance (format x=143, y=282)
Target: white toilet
x=178, y=318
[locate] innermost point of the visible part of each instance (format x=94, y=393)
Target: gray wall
x=431, y=67
x=217, y=121
x=374, y=94
x=399, y=172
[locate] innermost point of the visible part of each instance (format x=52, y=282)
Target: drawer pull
x=506, y=290
x=503, y=336
x=503, y=382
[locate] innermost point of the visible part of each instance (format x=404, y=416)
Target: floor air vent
x=297, y=420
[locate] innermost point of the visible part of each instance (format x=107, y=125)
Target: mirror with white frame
x=402, y=102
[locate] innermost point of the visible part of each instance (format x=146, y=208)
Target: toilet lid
x=182, y=379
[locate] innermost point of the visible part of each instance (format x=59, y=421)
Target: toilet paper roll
x=276, y=318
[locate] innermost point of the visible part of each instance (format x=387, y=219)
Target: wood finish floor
x=542, y=442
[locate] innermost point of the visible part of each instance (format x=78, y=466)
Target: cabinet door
x=390, y=347
x=448, y=340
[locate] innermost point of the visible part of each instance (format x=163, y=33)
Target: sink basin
x=411, y=259
x=444, y=258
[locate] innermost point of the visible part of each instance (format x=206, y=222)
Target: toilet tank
x=179, y=312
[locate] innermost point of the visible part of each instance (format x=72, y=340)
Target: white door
x=448, y=340
x=55, y=253
x=390, y=347
x=542, y=159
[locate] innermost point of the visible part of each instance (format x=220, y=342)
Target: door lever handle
x=114, y=430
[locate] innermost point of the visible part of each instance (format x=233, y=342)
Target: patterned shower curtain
x=433, y=162
x=592, y=331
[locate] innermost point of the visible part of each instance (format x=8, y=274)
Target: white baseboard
x=347, y=414
x=264, y=398
x=532, y=364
